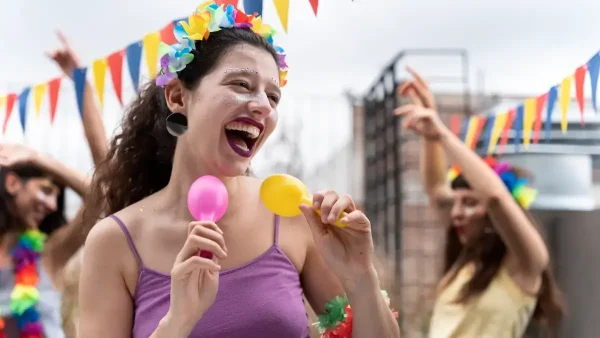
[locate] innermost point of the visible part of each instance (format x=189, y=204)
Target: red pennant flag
x=115, y=64
x=478, y=129
x=166, y=34
x=455, y=124
x=537, y=125
x=579, y=85
x=53, y=89
x=10, y=102
x=315, y=5
x=507, y=127
x=227, y=2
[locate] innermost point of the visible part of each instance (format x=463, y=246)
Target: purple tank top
x=260, y=299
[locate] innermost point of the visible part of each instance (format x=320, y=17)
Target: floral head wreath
x=210, y=17
x=518, y=186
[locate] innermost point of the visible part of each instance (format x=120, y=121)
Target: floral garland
x=518, y=187
x=25, y=294
x=336, y=322
x=210, y=17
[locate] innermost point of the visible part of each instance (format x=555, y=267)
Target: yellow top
x=503, y=310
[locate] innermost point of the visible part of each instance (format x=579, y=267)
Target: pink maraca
x=207, y=201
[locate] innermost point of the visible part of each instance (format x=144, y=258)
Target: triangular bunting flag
x=134, y=56
x=552, y=95
x=53, y=90
x=283, y=10
x=151, y=42
x=79, y=82
x=315, y=5
x=253, y=6
x=564, y=98
x=115, y=65
x=537, y=125
x=166, y=34
x=23, y=107
x=498, y=126
x=579, y=84
x=10, y=102
x=593, y=67
x=528, y=120
x=510, y=118
x=480, y=122
x=99, y=70
x=2, y=101
x=487, y=135
x=464, y=129
x=518, y=126
x=38, y=94
x=455, y=124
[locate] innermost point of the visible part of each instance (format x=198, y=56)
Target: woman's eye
x=242, y=84
x=274, y=98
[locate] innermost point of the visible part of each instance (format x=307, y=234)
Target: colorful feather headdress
x=518, y=186
x=210, y=17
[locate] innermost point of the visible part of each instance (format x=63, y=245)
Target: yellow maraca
x=282, y=194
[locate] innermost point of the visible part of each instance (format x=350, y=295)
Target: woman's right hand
x=195, y=280
x=65, y=57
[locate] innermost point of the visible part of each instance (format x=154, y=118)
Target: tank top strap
x=129, y=239
x=276, y=239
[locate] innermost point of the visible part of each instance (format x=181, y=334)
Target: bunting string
x=113, y=65
x=525, y=121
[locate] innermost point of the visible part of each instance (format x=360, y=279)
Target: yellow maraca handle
x=338, y=222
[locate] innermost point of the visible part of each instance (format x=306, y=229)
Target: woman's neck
x=174, y=196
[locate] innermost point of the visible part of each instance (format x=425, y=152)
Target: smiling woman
x=211, y=109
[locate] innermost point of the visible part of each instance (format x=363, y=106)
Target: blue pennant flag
x=79, y=82
x=23, y=106
x=134, y=55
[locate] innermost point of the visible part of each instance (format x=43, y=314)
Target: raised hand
x=347, y=251
x=16, y=154
x=195, y=279
x=65, y=57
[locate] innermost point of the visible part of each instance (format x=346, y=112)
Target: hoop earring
x=177, y=124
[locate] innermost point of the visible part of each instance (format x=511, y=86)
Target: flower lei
x=336, y=322
x=210, y=17
x=519, y=187
x=25, y=294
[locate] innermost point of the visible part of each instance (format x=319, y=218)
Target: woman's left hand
x=347, y=251
x=16, y=154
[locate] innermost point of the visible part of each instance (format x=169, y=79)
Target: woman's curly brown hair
x=140, y=156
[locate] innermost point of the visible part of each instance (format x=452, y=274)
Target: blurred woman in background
x=32, y=208
x=497, y=273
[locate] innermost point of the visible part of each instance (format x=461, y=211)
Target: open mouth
x=242, y=135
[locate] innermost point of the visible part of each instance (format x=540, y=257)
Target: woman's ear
x=12, y=183
x=175, y=97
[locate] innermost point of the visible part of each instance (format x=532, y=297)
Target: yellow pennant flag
x=283, y=9
x=473, y=122
x=99, y=69
x=564, y=97
x=2, y=102
x=499, y=123
x=38, y=94
x=151, y=42
x=528, y=119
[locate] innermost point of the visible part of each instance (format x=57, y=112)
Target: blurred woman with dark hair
x=497, y=273
x=31, y=209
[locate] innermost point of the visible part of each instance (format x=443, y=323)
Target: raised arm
x=106, y=306
x=67, y=60
x=433, y=163
x=525, y=245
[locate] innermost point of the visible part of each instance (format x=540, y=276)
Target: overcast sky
x=520, y=47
